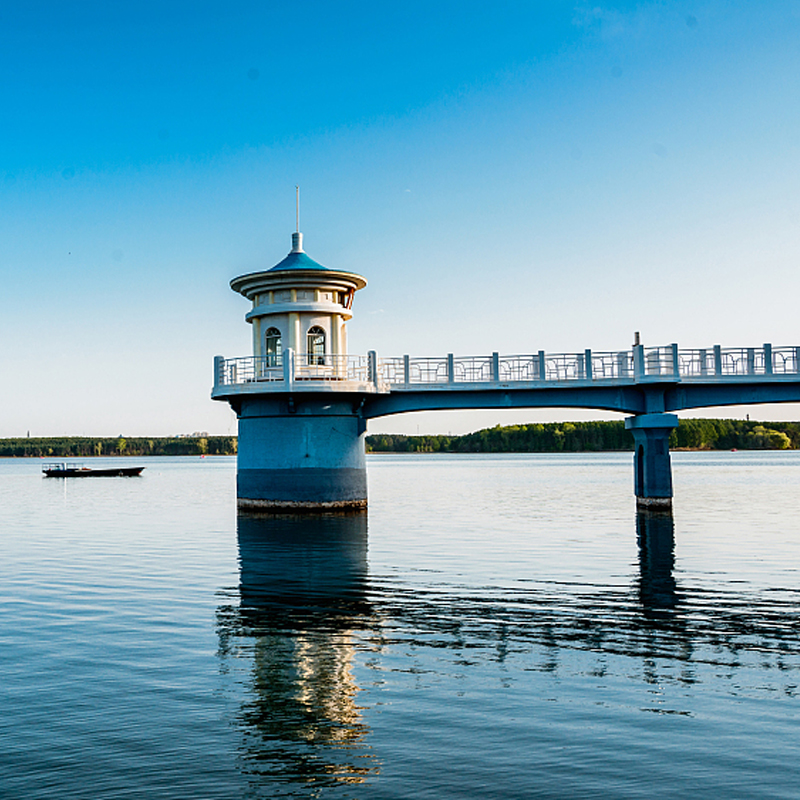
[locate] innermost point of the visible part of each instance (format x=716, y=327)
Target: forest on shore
x=84, y=446
x=577, y=437
x=539, y=437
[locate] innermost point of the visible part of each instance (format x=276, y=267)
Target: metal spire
x=297, y=237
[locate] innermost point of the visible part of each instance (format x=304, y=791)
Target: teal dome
x=298, y=261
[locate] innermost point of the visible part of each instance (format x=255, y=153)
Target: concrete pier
x=651, y=461
x=302, y=453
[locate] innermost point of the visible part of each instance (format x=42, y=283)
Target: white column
x=336, y=326
x=257, y=343
x=294, y=332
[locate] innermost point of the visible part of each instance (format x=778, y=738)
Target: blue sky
x=508, y=176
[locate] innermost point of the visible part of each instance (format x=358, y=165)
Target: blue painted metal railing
x=640, y=364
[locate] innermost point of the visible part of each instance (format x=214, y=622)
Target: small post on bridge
x=638, y=361
x=767, y=358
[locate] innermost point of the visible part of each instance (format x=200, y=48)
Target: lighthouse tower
x=299, y=396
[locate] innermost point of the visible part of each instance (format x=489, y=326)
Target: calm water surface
x=497, y=626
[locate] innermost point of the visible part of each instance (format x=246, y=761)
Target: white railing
x=231, y=371
x=640, y=364
x=732, y=361
x=288, y=366
x=330, y=368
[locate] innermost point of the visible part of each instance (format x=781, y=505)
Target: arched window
x=316, y=345
x=272, y=342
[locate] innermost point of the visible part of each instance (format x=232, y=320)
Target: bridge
x=304, y=416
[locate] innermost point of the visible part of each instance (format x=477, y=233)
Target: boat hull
x=114, y=472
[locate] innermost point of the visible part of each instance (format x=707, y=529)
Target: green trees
x=84, y=447
x=761, y=438
x=536, y=437
x=575, y=437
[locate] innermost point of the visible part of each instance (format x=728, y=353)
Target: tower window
x=315, y=350
x=272, y=342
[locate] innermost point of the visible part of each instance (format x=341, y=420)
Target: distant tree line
x=539, y=437
x=83, y=446
x=577, y=437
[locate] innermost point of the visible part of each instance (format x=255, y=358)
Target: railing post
x=372, y=367
x=451, y=370
x=751, y=360
x=406, y=370
x=703, y=362
x=587, y=354
x=542, y=367
x=288, y=368
x=496, y=367
x=797, y=360
x=219, y=365
x=676, y=364
x=767, y=358
x=717, y=360
x=638, y=362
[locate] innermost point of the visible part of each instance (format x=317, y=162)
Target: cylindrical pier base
x=652, y=467
x=301, y=455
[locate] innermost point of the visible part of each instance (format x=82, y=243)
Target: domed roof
x=303, y=267
x=298, y=260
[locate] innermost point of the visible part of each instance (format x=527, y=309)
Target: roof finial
x=297, y=237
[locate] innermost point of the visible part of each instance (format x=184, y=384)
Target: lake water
x=496, y=626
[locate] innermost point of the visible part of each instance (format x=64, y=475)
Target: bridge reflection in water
x=309, y=614
x=655, y=534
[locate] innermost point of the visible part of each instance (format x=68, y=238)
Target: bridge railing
x=731, y=361
x=273, y=368
x=540, y=366
x=329, y=367
x=640, y=363
x=231, y=371
x=612, y=365
x=785, y=360
x=668, y=362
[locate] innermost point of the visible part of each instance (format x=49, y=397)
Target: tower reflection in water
x=302, y=593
